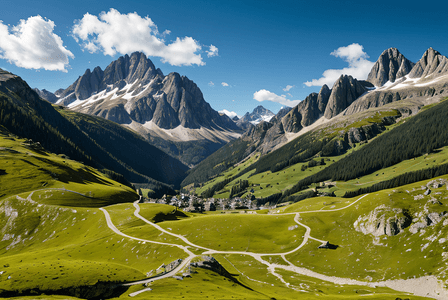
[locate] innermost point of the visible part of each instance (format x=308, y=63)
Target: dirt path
x=137, y=214
x=428, y=286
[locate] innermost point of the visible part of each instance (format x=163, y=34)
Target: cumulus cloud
x=114, y=32
x=358, y=65
x=224, y=83
x=230, y=114
x=211, y=83
x=265, y=95
x=213, y=51
x=288, y=87
x=33, y=45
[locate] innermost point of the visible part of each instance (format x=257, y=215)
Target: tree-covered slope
x=94, y=141
x=416, y=136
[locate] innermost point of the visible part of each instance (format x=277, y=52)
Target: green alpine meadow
x=163, y=153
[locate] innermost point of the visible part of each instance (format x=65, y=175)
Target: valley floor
x=291, y=266
x=427, y=286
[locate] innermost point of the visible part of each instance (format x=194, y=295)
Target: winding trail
x=428, y=286
x=137, y=214
x=184, y=263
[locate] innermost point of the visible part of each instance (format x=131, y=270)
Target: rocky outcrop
x=390, y=66
x=307, y=111
x=344, y=92
x=426, y=219
x=367, y=132
x=258, y=132
x=383, y=220
x=322, y=98
x=431, y=65
x=44, y=94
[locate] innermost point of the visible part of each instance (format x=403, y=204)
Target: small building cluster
x=193, y=203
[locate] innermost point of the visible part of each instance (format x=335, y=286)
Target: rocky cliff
x=390, y=66
x=344, y=92
x=131, y=91
x=425, y=83
x=431, y=65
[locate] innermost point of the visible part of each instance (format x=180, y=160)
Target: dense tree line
x=300, y=197
x=81, y=137
x=238, y=188
x=208, y=193
x=274, y=198
x=134, y=154
x=218, y=162
x=401, y=180
x=117, y=177
x=418, y=135
x=300, y=150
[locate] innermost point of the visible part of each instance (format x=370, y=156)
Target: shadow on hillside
x=67, y=174
x=173, y=216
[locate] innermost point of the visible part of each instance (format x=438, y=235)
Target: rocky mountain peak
x=132, y=89
x=345, y=90
x=432, y=64
x=44, y=94
x=390, y=66
x=258, y=115
x=322, y=98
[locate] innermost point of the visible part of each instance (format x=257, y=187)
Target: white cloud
x=265, y=95
x=213, y=51
x=211, y=83
x=230, y=114
x=114, y=32
x=288, y=87
x=224, y=84
x=33, y=45
x=358, y=66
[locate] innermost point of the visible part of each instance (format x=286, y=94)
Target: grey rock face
x=168, y=101
x=432, y=64
x=44, y=94
x=307, y=111
x=322, y=98
x=425, y=220
x=390, y=66
x=383, y=220
x=258, y=132
x=164, y=115
x=281, y=113
x=344, y=92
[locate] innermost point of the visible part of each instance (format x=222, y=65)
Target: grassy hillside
x=327, y=141
x=136, y=157
x=27, y=167
x=66, y=248
x=94, y=141
x=411, y=150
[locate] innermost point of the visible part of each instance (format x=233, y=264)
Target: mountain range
x=95, y=141
x=169, y=111
x=392, y=79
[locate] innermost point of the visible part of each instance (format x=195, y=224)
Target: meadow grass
x=54, y=241
x=240, y=232
x=26, y=167
x=366, y=257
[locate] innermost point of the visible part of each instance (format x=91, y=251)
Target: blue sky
x=235, y=51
